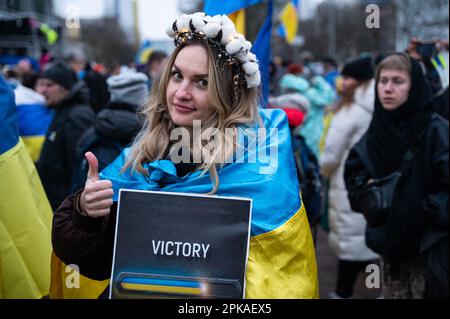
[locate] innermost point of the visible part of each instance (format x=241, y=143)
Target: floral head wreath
x=221, y=33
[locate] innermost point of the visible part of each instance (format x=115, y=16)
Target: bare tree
x=424, y=19
x=106, y=42
x=352, y=34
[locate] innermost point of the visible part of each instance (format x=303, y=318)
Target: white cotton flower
x=198, y=23
x=251, y=57
x=217, y=19
x=183, y=23
x=253, y=80
x=211, y=29
x=170, y=32
x=228, y=33
x=199, y=14
x=250, y=67
x=242, y=56
x=226, y=20
x=247, y=46
x=234, y=46
x=240, y=37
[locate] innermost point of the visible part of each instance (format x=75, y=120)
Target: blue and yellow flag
x=33, y=118
x=261, y=45
x=281, y=260
x=25, y=213
x=289, y=18
x=143, y=54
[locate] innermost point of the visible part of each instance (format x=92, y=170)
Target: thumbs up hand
x=96, y=198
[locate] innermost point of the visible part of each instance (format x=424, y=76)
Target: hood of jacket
x=118, y=121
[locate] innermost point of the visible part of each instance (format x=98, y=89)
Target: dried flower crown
x=220, y=31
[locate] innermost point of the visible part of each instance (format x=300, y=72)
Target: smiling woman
x=187, y=95
x=211, y=77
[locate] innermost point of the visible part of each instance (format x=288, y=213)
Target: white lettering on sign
x=178, y=248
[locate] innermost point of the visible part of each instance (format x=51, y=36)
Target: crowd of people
x=365, y=142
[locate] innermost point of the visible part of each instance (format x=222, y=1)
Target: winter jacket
x=114, y=128
x=320, y=94
x=347, y=228
x=56, y=164
x=424, y=185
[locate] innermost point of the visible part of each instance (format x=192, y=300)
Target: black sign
x=180, y=245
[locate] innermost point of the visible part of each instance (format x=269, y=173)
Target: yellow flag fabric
x=25, y=227
x=289, y=250
x=289, y=19
x=34, y=146
x=67, y=283
x=238, y=19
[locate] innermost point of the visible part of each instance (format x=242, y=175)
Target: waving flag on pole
x=261, y=45
x=289, y=21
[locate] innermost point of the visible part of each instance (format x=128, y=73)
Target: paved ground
x=327, y=264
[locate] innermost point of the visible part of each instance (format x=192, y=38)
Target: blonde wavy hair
x=230, y=111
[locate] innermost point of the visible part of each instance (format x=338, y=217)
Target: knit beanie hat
x=360, y=68
x=62, y=75
x=128, y=87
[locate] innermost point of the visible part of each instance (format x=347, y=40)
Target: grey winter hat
x=128, y=87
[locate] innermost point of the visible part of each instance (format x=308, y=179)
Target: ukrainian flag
x=25, y=213
x=261, y=44
x=33, y=118
x=281, y=262
x=289, y=21
x=234, y=9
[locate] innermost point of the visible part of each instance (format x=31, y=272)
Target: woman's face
x=348, y=84
x=187, y=90
x=393, y=88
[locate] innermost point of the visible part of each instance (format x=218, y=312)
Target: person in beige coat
x=351, y=120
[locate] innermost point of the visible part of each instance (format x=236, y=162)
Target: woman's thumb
x=93, y=166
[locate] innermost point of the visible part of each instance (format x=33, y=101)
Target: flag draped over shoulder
x=261, y=45
x=289, y=21
x=281, y=260
x=25, y=213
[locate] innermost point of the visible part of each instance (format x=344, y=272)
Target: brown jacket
x=84, y=241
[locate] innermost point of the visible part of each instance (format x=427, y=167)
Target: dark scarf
x=390, y=132
x=388, y=138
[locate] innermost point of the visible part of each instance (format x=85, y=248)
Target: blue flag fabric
x=259, y=177
x=261, y=48
x=261, y=45
x=213, y=7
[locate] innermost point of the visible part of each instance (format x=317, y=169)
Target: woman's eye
x=176, y=75
x=202, y=83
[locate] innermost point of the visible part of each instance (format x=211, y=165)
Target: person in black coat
x=411, y=233
x=115, y=126
x=73, y=115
